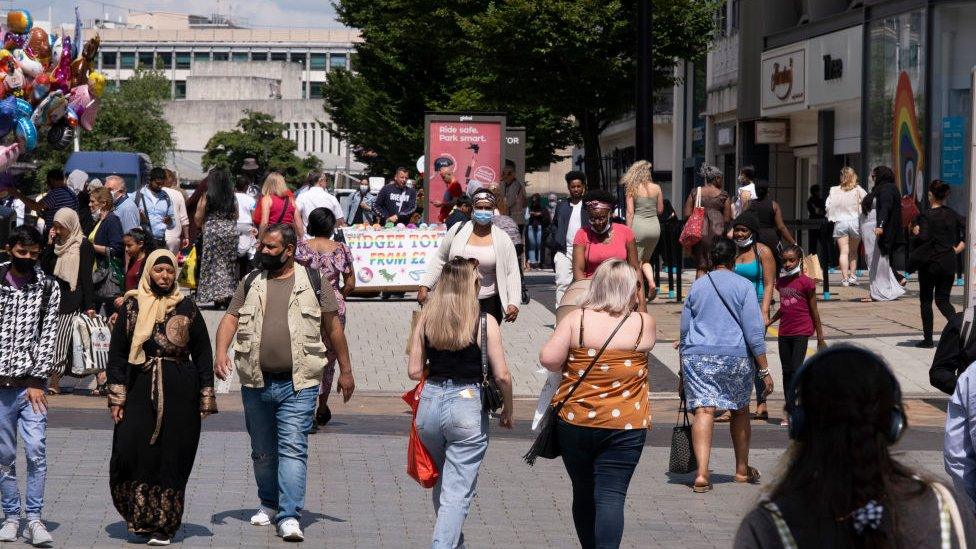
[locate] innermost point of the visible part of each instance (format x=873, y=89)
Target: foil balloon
x=39, y=45
x=8, y=154
x=8, y=114
x=61, y=76
x=19, y=21
x=26, y=134
x=14, y=81
x=51, y=110
x=60, y=136
x=82, y=66
x=96, y=83
x=87, y=121
x=12, y=41
x=30, y=67
x=57, y=50
x=71, y=118
x=23, y=108
x=41, y=87
x=83, y=106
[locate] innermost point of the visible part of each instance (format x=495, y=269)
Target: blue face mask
x=482, y=217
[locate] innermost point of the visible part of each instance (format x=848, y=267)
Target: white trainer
x=263, y=516
x=158, y=541
x=37, y=535
x=8, y=532
x=289, y=530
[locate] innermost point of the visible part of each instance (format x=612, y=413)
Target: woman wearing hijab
x=160, y=375
x=69, y=258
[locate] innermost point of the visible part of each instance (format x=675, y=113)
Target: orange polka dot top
x=613, y=395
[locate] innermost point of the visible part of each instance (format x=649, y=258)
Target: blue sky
x=263, y=13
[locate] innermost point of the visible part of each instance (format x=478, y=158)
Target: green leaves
x=259, y=136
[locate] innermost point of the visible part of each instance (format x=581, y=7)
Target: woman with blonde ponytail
x=844, y=211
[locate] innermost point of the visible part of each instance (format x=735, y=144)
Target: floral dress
x=332, y=265
x=218, y=264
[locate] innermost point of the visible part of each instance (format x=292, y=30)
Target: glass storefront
x=895, y=92
x=954, y=49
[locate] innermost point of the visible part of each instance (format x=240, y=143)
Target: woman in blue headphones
x=841, y=486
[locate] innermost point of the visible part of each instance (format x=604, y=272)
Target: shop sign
x=392, y=258
x=953, y=149
x=835, y=67
x=726, y=136
x=783, y=77
x=771, y=132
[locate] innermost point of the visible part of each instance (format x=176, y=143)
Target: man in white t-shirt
x=570, y=217
x=178, y=235
x=317, y=196
x=247, y=233
x=745, y=190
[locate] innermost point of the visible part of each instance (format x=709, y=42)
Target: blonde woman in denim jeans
x=452, y=425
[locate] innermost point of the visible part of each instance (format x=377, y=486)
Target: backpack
x=144, y=216
x=314, y=277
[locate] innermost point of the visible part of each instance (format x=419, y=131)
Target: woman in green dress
x=645, y=202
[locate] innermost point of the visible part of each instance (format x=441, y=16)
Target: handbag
x=491, y=395
x=420, y=464
x=108, y=278
x=682, y=458
x=811, y=267
x=691, y=234
x=546, y=443
x=909, y=211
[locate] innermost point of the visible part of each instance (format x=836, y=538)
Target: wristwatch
x=764, y=372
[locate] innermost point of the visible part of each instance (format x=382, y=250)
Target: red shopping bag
x=420, y=466
x=691, y=234
x=909, y=211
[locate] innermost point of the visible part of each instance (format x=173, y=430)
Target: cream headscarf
x=69, y=251
x=152, y=309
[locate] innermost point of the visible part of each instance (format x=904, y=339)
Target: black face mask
x=158, y=290
x=269, y=262
x=23, y=265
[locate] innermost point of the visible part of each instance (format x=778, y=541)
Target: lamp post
x=644, y=130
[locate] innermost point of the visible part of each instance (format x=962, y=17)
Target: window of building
x=259, y=56
x=315, y=91
x=128, y=59
x=304, y=89
x=146, y=60
x=180, y=90
x=183, y=60
x=201, y=56
x=111, y=86
x=279, y=56
x=298, y=58
x=721, y=19
x=353, y=61
x=240, y=56
x=337, y=61
x=108, y=59
x=221, y=56
x=317, y=61
x=164, y=60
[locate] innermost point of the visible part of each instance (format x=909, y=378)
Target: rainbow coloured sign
x=906, y=145
x=389, y=258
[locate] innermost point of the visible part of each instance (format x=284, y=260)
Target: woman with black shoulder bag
x=600, y=413
x=457, y=351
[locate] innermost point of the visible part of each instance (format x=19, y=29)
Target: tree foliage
x=564, y=69
x=259, y=136
x=131, y=118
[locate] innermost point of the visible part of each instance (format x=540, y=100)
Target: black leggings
x=792, y=352
x=933, y=282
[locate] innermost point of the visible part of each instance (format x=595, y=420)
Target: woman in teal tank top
x=756, y=263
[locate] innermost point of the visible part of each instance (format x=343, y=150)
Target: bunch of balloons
x=47, y=87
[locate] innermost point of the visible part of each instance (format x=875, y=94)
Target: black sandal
x=100, y=390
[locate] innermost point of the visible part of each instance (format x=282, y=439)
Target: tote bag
x=682, y=459
x=691, y=234
x=811, y=267
x=90, y=339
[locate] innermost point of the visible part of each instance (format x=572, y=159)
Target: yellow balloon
x=96, y=83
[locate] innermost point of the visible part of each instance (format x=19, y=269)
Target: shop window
x=128, y=60
x=337, y=61
x=317, y=61
x=896, y=85
x=183, y=60
x=146, y=60
x=108, y=59
x=259, y=56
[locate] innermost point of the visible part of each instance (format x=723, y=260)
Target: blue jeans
x=18, y=417
x=454, y=429
x=600, y=463
x=534, y=249
x=278, y=421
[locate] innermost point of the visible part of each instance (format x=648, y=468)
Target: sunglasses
x=469, y=260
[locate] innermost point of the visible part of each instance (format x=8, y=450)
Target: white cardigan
x=507, y=280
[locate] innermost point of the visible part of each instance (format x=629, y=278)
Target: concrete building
x=218, y=70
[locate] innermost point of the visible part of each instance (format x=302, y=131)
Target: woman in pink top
x=277, y=204
x=603, y=240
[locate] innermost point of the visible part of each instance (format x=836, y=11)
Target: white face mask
x=364, y=189
x=745, y=243
x=96, y=214
x=791, y=272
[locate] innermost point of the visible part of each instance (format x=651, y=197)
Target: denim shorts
x=847, y=227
